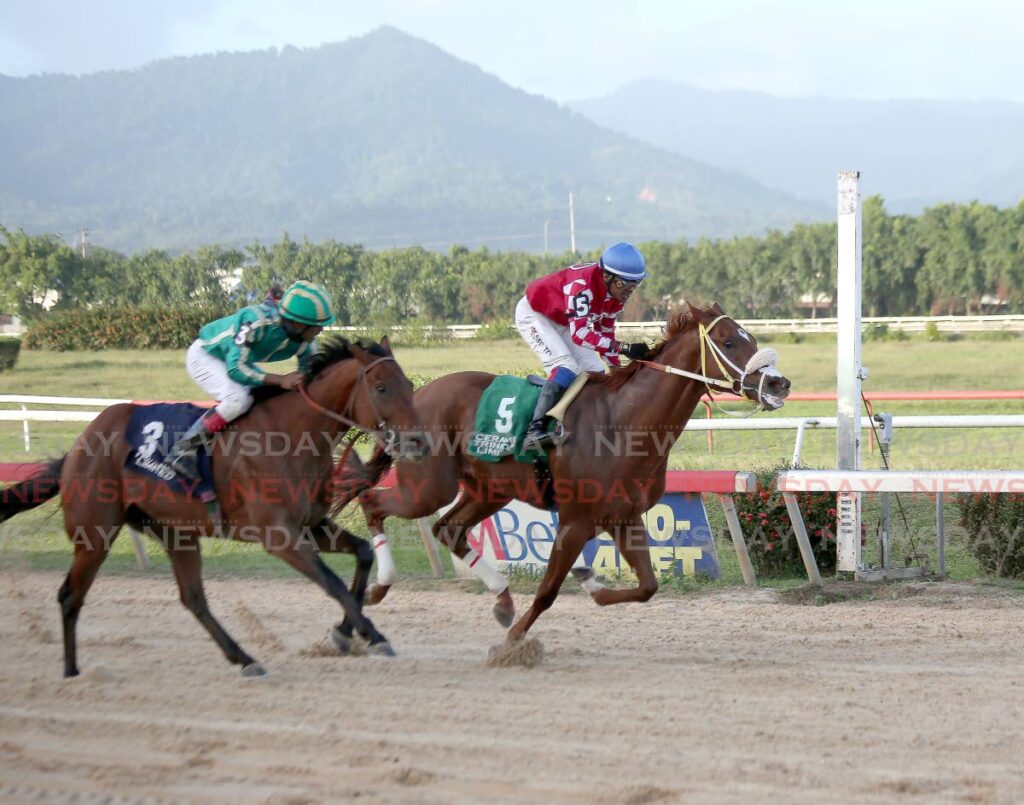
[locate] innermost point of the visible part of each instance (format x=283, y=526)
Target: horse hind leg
x=92, y=544
x=451, y=530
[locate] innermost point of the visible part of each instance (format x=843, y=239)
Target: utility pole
x=84, y=235
x=572, y=226
x=545, y=237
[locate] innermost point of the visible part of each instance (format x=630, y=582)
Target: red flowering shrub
x=769, y=533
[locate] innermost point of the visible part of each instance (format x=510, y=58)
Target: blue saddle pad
x=152, y=430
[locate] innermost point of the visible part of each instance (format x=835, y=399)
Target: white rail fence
x=790, y=483
x=937, y=483
x=22, y=413
x=907, y=324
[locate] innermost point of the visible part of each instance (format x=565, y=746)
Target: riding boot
x=536, y=436
x=183, y=456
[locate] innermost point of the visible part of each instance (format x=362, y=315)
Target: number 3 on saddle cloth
x=152, y=430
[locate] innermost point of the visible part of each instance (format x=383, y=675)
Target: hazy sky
x=576, y=48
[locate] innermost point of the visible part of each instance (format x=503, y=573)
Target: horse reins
x=732, y=384
x=345, y=419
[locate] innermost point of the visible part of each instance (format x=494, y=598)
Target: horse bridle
x=386, y=436
x=761, y=362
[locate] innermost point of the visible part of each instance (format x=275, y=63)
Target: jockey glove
x=634, y=351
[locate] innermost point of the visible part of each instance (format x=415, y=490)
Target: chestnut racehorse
x=605, y=475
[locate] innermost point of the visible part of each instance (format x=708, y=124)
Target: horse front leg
x=421, y=489
x=631, y=540
x=302, y=555
x=332, y=538
x=572, y=536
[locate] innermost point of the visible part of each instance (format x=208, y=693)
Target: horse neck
x=332, y=389
x=665, y=402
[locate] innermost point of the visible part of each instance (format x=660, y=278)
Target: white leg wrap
x=495, y=580
x=387, y=573
x=591, y=584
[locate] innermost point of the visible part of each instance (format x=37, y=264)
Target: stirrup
x=543, y=439
x=185, y=463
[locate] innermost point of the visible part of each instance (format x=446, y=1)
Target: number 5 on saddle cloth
x=504, y=413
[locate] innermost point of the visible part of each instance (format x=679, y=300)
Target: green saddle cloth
x=502, y=417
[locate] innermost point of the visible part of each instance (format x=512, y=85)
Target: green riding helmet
x=307, y=303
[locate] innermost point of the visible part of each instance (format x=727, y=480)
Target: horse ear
x=385, y=344
x=718, y=309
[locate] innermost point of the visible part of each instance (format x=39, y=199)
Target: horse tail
x=32, y=492
x=354, y=477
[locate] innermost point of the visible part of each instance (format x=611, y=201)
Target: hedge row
x=120, y=328
x=9, y=349
x=176, y=328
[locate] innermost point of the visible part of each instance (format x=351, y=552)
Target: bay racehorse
x=604, y=476
x=279, y=498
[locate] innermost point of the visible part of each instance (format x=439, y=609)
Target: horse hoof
x=341, y=642
x=504, y=610
x=382, y=649
x=375, y=594
x=253, y=671
x=581, y=574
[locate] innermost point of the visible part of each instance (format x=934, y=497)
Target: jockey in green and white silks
x=223, y=359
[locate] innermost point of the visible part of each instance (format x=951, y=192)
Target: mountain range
x=915, y=153
x=384, y=140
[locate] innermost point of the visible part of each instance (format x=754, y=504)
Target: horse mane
x=336, y=348
x=331, y=350
x=677, y=324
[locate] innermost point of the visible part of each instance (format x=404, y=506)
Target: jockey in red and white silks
x=568, y=319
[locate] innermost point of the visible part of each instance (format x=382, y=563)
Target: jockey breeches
x=212, y=376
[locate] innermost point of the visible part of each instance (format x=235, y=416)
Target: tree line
x=953, y=258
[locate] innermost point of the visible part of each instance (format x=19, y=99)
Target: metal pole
x=848, y=369
x=740, y=544
x=940, y=536
x=430, y=547
x=140, y=549
x=799, y=446
x=25, y=430
x=802, y=540
x=572, y=225
x=885, y=537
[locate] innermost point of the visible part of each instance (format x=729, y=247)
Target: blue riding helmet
x=624, y=260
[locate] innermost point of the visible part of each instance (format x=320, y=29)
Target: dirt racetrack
x=726, y=696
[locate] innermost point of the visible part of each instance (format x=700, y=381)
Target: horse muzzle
x=763, y=383
x=767, y=387
x=406, y=445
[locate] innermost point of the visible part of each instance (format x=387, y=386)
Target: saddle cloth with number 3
x=152, y=430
